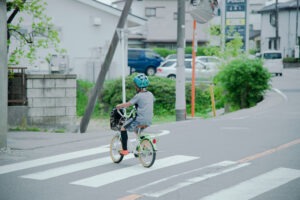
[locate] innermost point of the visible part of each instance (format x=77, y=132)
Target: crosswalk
x=159, y=188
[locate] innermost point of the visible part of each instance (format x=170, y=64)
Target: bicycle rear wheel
x=115, y=147
x=147, y=153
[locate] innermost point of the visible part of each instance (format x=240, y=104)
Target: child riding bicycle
x=143, y=101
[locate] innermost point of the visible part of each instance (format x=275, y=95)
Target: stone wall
x=51, y=100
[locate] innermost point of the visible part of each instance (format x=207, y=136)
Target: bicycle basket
x=116, y=120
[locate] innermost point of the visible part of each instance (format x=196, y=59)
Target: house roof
x=291, y=5
x=114, y=11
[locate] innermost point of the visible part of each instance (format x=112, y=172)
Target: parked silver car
x=203, y=71
x=210, y=60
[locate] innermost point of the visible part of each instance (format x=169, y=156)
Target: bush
x=83, y=91
x=164, y=52
x=291, y=60
x=243, y=82
x=201, y=51
x=202, y=98
x=162, y=88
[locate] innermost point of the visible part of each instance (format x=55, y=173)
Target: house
x=86, y=28
x=288, y=28
x=161, y=27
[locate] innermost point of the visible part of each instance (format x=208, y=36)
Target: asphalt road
x=249, y=154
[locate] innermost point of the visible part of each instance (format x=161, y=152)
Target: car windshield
x=272, y=55
x=168, y=64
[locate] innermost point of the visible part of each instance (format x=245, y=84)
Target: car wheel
x=150, y=71
x=172, y=76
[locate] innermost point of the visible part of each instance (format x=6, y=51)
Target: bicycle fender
x=149, y=138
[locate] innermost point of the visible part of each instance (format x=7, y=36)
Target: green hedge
x=201, y=51
x=291, y=60
x=162, y=88
x=83, y=90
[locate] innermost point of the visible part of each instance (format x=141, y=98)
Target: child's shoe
x=124, y=152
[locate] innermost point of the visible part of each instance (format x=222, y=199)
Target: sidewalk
x=26, y=140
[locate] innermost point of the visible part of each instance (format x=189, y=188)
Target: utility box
x=59, y=64
x=296, y=51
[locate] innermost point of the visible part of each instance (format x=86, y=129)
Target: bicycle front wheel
x=147, y=153
x=115, y=148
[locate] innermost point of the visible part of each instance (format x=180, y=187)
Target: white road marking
x=234, y=128
x=118, y=175
x=257, y=185
x=280, y=93
x=52, y=159
x=220, y=164
x=59, y=171
x=194, y=180
x=164, y=132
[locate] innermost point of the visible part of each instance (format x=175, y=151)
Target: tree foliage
x=41, y=34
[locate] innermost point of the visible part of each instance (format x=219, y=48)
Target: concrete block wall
x=51, y=100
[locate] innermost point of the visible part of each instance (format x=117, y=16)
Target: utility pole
x=3, y=75
x=297, y=21
x=180, y=71
x=276, y=28
x=104, y=68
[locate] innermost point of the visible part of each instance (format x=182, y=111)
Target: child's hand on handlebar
x=119, y=106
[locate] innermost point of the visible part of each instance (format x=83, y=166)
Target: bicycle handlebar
x=125, y=115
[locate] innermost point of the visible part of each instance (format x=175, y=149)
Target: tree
x=40, y=35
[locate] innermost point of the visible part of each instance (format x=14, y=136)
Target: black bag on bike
x=116, y=120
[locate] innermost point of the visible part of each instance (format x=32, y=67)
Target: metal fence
x=17, y=86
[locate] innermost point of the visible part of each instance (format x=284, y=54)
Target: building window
x=150, y=12
x=273, y=18
x=273, y=44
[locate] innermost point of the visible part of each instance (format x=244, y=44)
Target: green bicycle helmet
x=141, y=81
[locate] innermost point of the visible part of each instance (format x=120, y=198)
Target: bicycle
x=144, y=146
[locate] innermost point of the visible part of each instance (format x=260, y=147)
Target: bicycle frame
x=134, y=144
x=143, y=146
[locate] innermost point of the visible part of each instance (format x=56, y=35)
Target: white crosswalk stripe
x=118, y=175
x=257, y=185
x=52, y=159
x=51, y=173
x=219, y=169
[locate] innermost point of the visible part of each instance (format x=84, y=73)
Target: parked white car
x=203, y=72
x=273, y=61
